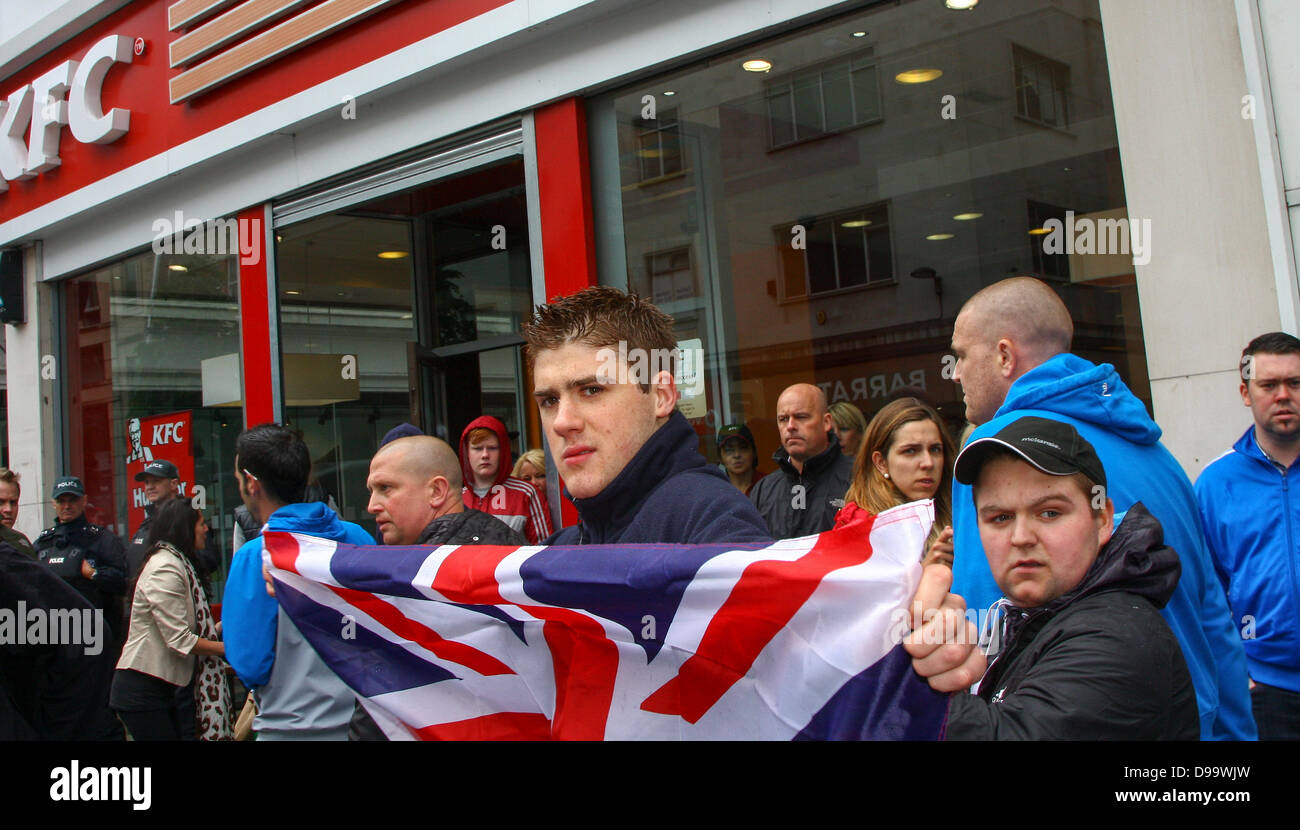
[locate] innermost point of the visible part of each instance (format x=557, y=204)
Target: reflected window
x=845, y=250
x=1042, y=88
x=822, y=100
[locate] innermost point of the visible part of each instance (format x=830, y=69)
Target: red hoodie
x=511, y=500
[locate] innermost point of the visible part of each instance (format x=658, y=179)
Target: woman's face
x=535, y=477
x=915, y=460
x=200, y=532
x=850, y=440
x=737, y=456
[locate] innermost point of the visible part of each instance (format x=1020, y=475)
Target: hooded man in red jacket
x=489, y=487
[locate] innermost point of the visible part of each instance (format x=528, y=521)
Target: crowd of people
x=1124, y=602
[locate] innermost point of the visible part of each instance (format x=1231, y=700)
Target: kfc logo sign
x=68, y=95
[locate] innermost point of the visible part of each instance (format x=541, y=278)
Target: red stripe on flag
x=504, y=726
x=394, y=620
x=283, y=548
x=762, y=602
x=585, y=660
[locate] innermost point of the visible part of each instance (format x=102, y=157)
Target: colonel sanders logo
x=138, y=452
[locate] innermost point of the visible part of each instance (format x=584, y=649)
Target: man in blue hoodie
x=1012, y=342
x=298, y=697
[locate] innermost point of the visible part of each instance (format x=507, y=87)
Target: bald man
x=804, y=495
x=415, y=497
x=1012, y=343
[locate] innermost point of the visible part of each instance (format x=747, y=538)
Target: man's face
x=399, y=499
x=976, y=370
x=1273, y=395
x=596, y=427
x=157, y=488
x=8, y=503
x=803, y=421
x=1038, y=530
x=69, y=507
x=485, y=460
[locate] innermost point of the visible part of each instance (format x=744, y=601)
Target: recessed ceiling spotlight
x=935, y=237
x=918, y=76
x=669, y=92
x=177, y=268
x=961, y=5
x=855, y=223
x=393, y=254
x=756, y=65
x=966, y=217
x=858, y=34
x=1038, y=231
x=291, y=292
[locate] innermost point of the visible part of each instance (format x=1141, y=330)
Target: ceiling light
x=293, y=293
x=1038, y=231
x=859, y=34
x=177, y=268
x=393, y=254
x=961, y=5
x=855, y=223
x=918, y=76
x=935, y=237
x=669, y=92
x=756, y=65
x=966, y=217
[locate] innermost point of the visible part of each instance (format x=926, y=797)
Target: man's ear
x=1106, y=526
x=664, y=390
x=828, y=422
x=1007, y=357
x=439, y=488
x=1245, y=393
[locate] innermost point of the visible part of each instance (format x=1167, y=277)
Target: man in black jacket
x=1085, y=653
x=803, y=496
x=88, y=557
x=415, y=497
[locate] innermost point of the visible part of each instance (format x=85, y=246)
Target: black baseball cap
x=1054, y=447
x=736, y=431
x=159, y=468
x=66, y=485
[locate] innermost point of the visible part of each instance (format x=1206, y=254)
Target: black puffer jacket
x=1098, y=663
x=800, y=504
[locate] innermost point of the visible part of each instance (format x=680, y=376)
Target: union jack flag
x=797, y=639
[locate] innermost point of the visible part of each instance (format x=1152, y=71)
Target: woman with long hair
x=172, y=638
x=907, y=455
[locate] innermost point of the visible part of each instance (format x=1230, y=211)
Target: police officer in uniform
x=90, y=558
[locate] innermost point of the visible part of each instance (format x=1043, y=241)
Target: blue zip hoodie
x=1255, y=554
x=1138, y=468
x=296, y=691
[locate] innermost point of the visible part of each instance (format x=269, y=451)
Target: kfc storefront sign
x=66, y=96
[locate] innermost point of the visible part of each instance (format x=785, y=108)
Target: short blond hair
x=9, y=476
x=535, y=457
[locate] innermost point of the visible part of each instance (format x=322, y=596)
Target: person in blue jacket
x=1012, y=341
x=1251, y=513
x=298, y=697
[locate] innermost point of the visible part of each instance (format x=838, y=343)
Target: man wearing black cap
x=88, y=557
x=1085, y=652
x=162, y=483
